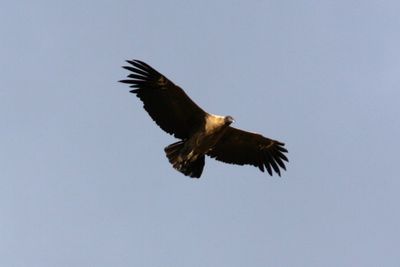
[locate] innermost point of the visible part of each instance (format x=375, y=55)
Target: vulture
x=201, y=133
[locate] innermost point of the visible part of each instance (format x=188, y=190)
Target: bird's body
x=189, y=158
x=201, y=133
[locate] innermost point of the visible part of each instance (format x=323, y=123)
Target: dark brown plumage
x=201, y=133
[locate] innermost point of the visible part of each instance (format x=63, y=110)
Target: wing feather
x=167, y=104
x=240, y=147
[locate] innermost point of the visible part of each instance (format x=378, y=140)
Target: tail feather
x=179, y=162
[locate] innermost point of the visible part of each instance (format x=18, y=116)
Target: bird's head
x=229, y=120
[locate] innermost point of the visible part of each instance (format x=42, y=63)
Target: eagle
x=201, y=133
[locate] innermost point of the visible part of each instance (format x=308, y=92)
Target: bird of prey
x=201, y=133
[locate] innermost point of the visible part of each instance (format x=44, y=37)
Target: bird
x=200, y=133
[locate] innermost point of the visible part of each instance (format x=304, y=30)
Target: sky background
x=83, y=177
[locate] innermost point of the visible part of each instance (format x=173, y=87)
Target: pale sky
x=84, y=180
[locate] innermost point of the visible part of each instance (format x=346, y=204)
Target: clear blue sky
x=83, y=177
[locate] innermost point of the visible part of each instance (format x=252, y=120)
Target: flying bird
x=201, y=133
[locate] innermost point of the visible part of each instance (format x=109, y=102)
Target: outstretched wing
x=241, y=147
x=167, y=104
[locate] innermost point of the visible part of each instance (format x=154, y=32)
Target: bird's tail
x=182, y=163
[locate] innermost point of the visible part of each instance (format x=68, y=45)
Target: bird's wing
x=241, y=147
x=167, y=104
